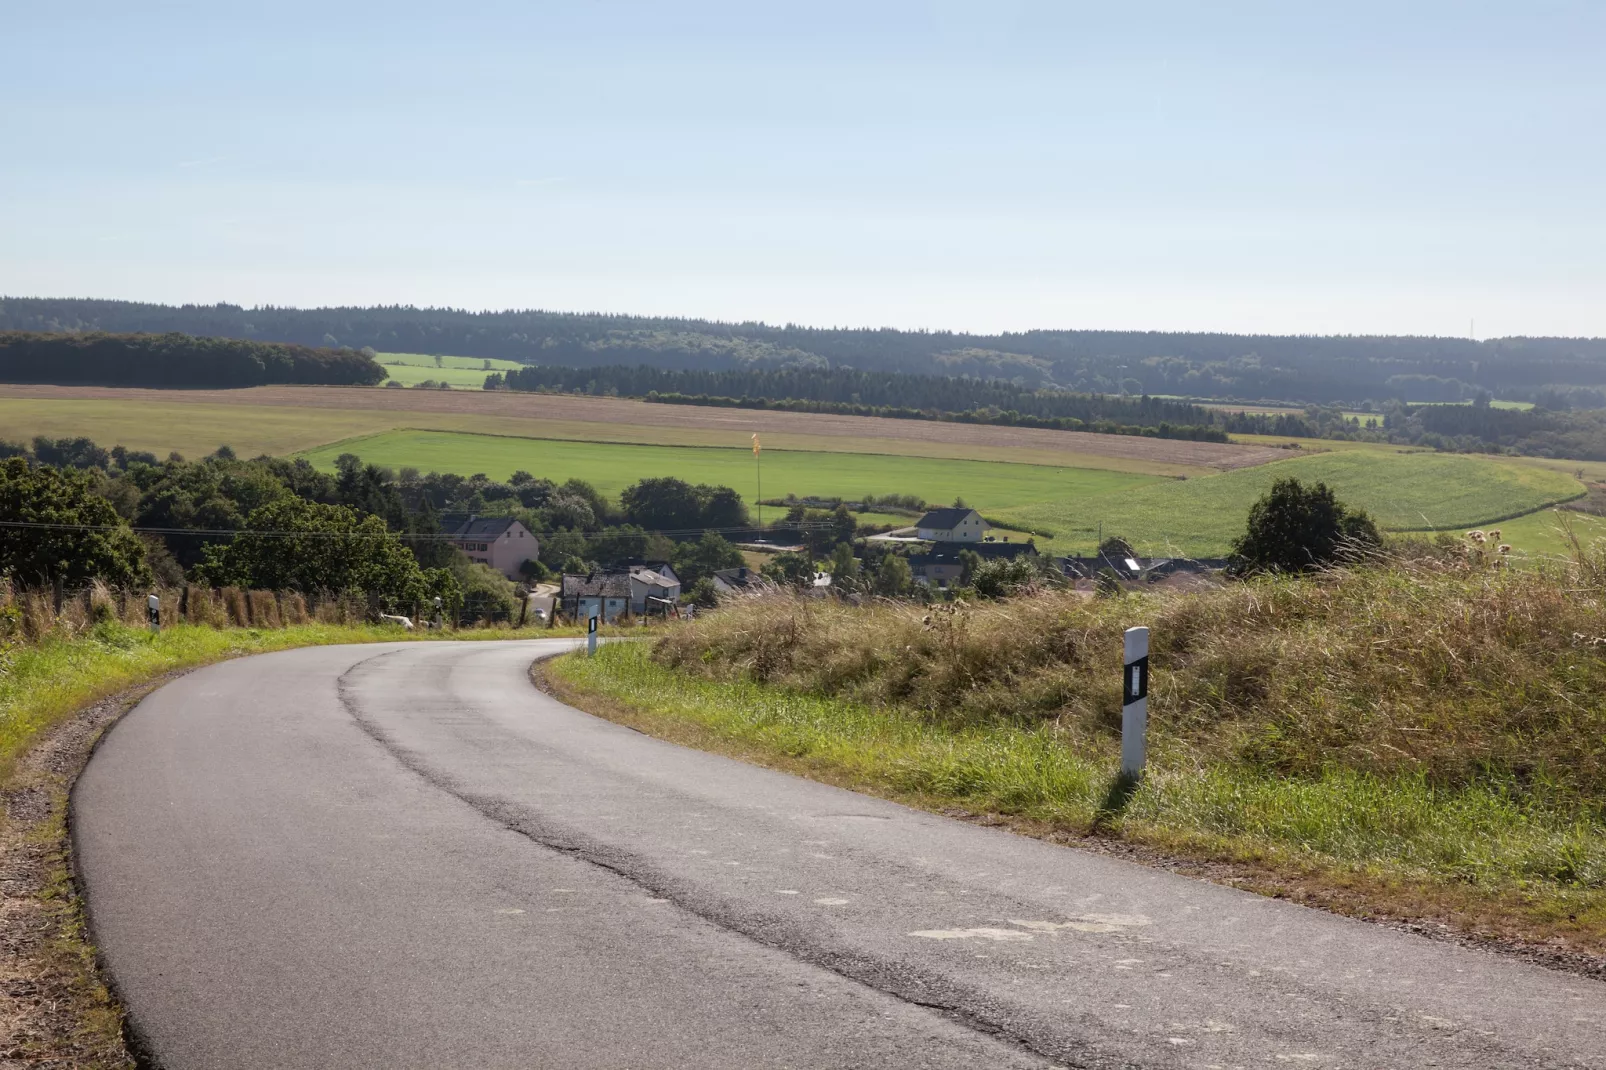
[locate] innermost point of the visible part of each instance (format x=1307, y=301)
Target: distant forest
x=1318, y=370
x=1477, y=427
x=863, y=393
x=173, y=360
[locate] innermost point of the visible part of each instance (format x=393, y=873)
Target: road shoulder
x=54, y=1005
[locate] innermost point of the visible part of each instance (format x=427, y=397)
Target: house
x=599, y=594
x=499, y=541
x=1136, y=568
x=951, y=525
x=941, y=566
x=735, y=580
x=653, y=589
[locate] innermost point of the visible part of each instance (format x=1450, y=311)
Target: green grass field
x=412, y=368
x=1402, y=491
x=611, y=467
x=1543, y=534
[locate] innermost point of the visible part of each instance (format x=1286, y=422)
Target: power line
x=387, y=534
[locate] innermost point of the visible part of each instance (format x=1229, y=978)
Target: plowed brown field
x=50, y=409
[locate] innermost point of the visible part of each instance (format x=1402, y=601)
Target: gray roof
x=738, y=577
x=943, y=519
x=597, y=585
x=459, y=526
x=653, y=578
x=949, y=552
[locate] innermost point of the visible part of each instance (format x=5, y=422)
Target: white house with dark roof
x=952, y=525
x=596, y=594
x=499, y=541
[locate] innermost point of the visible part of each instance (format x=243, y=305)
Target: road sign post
x=591, y=634
x=153, y=612
x=1135, y=703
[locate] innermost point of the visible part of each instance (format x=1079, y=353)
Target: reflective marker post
x=1135, y=703
x=591, y=635
x=153, y=612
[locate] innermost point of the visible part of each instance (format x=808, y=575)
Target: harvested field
x=640, y=421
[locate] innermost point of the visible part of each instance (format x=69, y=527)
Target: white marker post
x=1135, y=703
x=591, y=635
x=153, y=612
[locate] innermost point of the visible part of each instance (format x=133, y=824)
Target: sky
x=1362, y=168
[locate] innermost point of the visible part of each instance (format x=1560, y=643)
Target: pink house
x=498, y=541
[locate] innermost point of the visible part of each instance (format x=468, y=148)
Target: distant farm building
x=952, y=525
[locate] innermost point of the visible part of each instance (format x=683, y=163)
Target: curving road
x=405, y=856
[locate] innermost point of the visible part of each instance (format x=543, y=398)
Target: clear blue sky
x=1336, y=167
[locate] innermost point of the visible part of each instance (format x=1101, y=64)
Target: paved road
x=405, y=856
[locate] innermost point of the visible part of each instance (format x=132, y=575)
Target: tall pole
x=758, y=475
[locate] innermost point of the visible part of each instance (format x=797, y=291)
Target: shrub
x=1299, y=528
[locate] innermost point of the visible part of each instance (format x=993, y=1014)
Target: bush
x=1299, y=528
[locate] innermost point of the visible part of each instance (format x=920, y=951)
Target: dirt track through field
x=626, y=412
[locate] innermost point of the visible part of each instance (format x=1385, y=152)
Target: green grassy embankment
x=1422, y=742
x=1403, y=492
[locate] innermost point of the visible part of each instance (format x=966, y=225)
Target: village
x=945, y=552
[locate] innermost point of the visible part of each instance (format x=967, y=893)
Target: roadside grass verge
x=43, y=682
x=1411, y=744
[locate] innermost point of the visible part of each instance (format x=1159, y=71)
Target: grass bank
x=1423, y=742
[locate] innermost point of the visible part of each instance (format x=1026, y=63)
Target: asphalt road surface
x=406, y=856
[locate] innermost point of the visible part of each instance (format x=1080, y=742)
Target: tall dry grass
x=31, y=614
x=1457, y=671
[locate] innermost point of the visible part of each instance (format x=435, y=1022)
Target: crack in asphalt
x=909, y=984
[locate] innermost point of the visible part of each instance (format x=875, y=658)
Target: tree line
x=855, y=392
x=1475, y=428
x=76, y=511
x=1292, y=368
x=176, y=360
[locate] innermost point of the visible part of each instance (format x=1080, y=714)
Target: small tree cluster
x=1299, y=528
